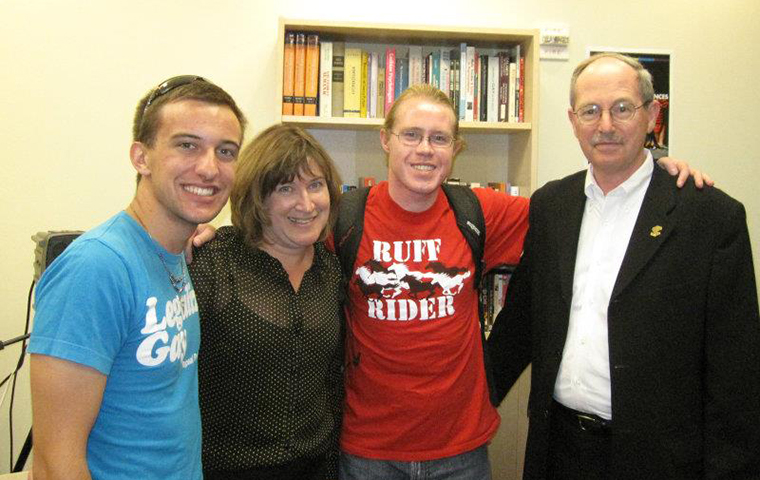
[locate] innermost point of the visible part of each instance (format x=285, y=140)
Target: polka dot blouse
x=270, y=363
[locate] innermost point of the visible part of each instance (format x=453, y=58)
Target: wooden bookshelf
x=522, y=154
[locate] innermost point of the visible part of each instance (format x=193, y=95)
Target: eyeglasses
x=169, y=85
x=620, y=112
x=412, y=138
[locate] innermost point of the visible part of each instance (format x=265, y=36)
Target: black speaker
x=49, y=246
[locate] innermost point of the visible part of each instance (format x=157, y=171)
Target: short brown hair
x=276, y=156
x=146, y=121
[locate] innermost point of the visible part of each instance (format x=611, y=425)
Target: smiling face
x=614, y=148
x=416, y=172
x=298, y=212
x=187, y=173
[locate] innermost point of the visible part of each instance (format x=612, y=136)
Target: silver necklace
x=179, y=282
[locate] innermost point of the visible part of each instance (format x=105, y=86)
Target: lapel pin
x=656, y=231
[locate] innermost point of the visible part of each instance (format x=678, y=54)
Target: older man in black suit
x=636, y=304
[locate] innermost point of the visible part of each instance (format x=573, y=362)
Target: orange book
x=288, y=73
x=311, y=89
x=300, y=75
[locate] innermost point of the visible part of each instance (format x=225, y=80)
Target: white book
x=325, y=79
x=517, y=83
x=511, y=112
x=415, y=64
x=470, y=71
x=492, y=111
x=444, y=82
x=462, y=80
x=372, y=100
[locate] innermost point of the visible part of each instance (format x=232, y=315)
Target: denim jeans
x=472, y=465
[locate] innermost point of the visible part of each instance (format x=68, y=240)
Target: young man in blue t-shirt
x=116, y=335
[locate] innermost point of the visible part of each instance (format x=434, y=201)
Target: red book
x=390, y=78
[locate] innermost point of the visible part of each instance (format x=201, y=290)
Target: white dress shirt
x=583, y=381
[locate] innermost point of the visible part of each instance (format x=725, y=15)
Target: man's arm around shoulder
x=66, y=399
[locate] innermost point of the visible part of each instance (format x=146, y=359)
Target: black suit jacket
x=683, y=326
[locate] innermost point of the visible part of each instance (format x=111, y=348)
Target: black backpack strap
x=470, y=220
x=347, y=232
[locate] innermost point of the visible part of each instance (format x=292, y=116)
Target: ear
x=573, y=121
x=653, y=110
x=385, y=138
x=138, y=154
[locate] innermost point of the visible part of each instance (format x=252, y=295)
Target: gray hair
x=646, y=89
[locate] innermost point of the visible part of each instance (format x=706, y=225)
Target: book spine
x=390, y=78
x=311, y=89
x=470, y=85
x=338, y=67
x=435, y=77
x=445, y=72
x=325, y=79
x=300, y=75
x=373, y=85
x=462, y=81
x=352, y=86
x=521, y=96
x=380, y=90
x=484, y=59
x=493, y=89
x=512, y=89
x=517, y=83
x=363, y=98
x=288, y=73
x=415, y=65
x=476, y=93
x=503, y=87
x=402, y=75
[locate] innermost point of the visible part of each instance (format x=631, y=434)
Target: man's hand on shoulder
x=679, y=167
x=203, y=233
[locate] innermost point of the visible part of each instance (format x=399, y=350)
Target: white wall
x=72, y=72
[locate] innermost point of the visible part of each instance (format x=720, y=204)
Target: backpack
x=349, y=227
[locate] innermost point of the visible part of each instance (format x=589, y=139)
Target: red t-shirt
x=415, y=384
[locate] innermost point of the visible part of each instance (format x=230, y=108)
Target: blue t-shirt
x=107, y=302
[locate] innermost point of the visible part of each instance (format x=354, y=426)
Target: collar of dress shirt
x=635, y=181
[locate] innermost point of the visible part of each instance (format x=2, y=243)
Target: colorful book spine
x=512, y=92
x=390, y=78
x=352, y=85
x=483, y=90
x=435, y=76
x=311, y=88
x=299, y=88
x=363, y=86
x=503, y=87
x=288, y=73
x=476, y=88
x=325, y=79
x=381, y=88
x=521, y=96
x=516, y=100
x=338, y=67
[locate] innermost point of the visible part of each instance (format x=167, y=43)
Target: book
x=483, y=90
x=516, y=100
x=390, y=78
x=462, y=81
x=373, y=85
x=445, y=71
x=402, y=75
x=352, y=83
x=469, y=85
x=299, y=85
x=476, y=89
x=503, y=86
x=325, y=79
x=288, y=73
x=521, y=96
x=380, y=89
x=338, y=66
x=435, y=76
x=492, y=110
x=311, y=88
x=511, y=108
x=363, y=86
x=415, y=65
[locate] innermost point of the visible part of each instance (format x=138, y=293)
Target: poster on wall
x=658, y=64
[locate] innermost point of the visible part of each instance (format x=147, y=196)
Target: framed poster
x=657, y=62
